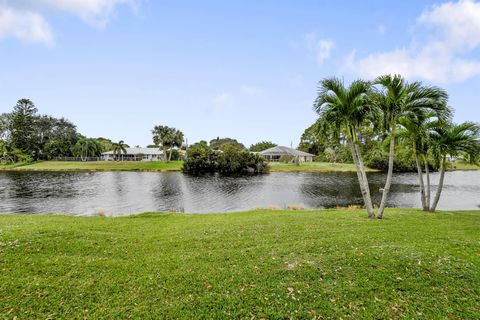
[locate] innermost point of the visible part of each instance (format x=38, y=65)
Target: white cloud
x=94, y=11
x=451, y=31
x=322, y=48
x=25, y=19
x=26, y=26
x=222, y=99
x=249, y=90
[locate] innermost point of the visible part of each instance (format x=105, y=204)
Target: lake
x=123, y=193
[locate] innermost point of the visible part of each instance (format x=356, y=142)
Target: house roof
x=284, y=151
x=139, y=151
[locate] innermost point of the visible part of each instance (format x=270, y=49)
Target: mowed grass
x=461, y=165
x=177, y=166
x=314, y=167
x=251, y=265
x=99, y=166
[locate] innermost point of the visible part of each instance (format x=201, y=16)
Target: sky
x=241, y=69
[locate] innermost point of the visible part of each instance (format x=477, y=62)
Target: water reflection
x=119, y=193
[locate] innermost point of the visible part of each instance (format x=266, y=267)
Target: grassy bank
x=163, y=166
x=177, y=166
x=314, y=167
x=261, y=264
x=99, y=166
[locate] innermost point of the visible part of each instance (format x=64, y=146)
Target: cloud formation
x=322, y=48
x=25, y=26
x=25, y=19
x=441, y=51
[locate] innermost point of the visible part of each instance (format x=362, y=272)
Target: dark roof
x=283, y=151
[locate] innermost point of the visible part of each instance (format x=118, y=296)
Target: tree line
x=26, y=135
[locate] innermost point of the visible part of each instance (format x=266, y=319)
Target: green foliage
x=232, y=160
x=263, y=145
x=403, y=161
x=216, y=144
x=167, y=138
x=22, y=127
x=87, y=147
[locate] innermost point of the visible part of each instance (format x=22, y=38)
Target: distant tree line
x=26, y=136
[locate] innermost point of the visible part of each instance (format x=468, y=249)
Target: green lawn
x=251, y=265
x=177, y=166
x=460, y=165
x=313, y=167
x=99, y=166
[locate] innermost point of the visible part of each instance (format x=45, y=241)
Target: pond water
x=122, y=193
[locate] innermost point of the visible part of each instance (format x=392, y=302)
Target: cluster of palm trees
x=410, y=113
x=167, y=138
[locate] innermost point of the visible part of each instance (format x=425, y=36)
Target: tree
x=177, y=142
x=167, y=138
x=87, y=147
x=119, y=148
x=349, y=109
x=22, y=130
x=454, y=139
x=397, y=98
x=263, y=145
x=216, y=144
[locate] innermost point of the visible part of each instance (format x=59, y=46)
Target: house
x=274, y=154
x=134, y=154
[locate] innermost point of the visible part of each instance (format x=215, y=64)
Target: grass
x=314, y=167
x=99, y=166
x=461, y=165
x=177, y=166
x=251, y=265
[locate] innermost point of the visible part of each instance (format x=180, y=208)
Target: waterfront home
x=274, y=154
x=134, y=154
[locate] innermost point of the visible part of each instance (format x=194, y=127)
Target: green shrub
x=232, y=160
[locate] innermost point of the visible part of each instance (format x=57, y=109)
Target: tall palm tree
x=164, y=136
x=453, y=140
x=348, y=108
x=397, y=98
x=414, y=131
x=177, y=142
x=119, y=148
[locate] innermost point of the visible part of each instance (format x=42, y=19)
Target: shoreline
x=176, y=166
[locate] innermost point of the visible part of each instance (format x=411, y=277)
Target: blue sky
x=242, y=69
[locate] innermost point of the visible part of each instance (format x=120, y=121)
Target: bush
x=200, y=159
x=286, y=159
x=403, y=161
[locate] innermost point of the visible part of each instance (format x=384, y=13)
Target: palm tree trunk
x=165, y=154
x=427, y=175
x=420, y=181
x=170, y=155
x=364, y=188
x=440, y=185
x=388, y=182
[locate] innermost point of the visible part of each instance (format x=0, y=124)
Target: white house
x=134, y=154
x=274, y=154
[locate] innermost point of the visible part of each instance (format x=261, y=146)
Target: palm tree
x=177, y=142
x=86, y=147
x=348, y=109
x=397, y=98
x=119, y=148
x=414, y=131
x=163, y=136
x=453, y=140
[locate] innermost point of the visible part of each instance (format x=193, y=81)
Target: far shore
x=176, y=166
